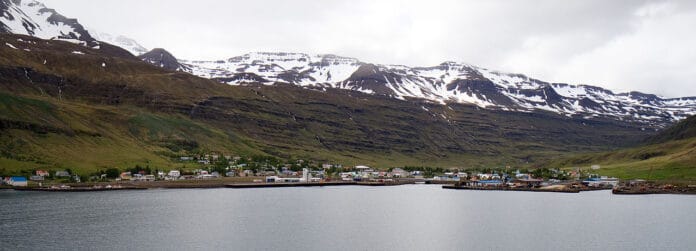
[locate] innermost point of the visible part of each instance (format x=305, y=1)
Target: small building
x=522, y=176
x=247, y=173
x=490, y=183
x=126, y=176
x=527, y=182
x=42, y=173
x=18, y=181
x=399, y=173
x=174, y=174
x=603, y=181
x=288, y=180
x=185, y=158
x=484, y=176
x=62, y=174
x=36, y=178
x=362, y=168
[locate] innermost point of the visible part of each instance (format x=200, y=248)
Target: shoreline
x=245, y=184
x=199, y=184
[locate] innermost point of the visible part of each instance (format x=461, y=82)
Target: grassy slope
x=127, y=136
x=673, y=158
x=96, y=136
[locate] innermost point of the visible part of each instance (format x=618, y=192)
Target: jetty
x=290, y=184
x=521, y=189
x=314, y=184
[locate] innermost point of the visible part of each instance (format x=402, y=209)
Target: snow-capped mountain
x=29, y=17
x=444, y=83
x=124, y=42
x=447, y=82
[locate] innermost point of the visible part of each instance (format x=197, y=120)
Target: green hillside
x=669, y=155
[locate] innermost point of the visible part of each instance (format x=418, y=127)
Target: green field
x=669, y=159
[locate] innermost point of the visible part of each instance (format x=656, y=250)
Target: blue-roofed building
x=18, y=181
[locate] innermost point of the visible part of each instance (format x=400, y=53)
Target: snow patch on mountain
x=124, y=42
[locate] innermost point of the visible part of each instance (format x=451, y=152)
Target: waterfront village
x=216, y=170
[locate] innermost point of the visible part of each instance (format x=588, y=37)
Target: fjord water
x=413, y=217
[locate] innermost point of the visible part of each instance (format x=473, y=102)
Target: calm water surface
x=414, y=217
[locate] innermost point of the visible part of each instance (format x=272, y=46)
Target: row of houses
x=39, y=175
x=362, y=172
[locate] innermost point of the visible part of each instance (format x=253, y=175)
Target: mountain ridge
x=445, y=83
x=448, y=82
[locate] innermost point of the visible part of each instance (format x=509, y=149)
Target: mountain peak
x=29, y=17
x=162, y=58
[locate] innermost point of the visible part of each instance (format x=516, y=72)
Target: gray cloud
x=622, y=45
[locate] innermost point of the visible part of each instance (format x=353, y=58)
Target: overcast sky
x=648, y=46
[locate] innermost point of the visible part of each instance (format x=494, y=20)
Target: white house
x=174, y=174
x=398, y=172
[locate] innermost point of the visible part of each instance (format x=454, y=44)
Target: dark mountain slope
x=685, y=129
x=162, y=58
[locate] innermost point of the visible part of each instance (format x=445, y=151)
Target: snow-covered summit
x=124, y=42
x=29, y=17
